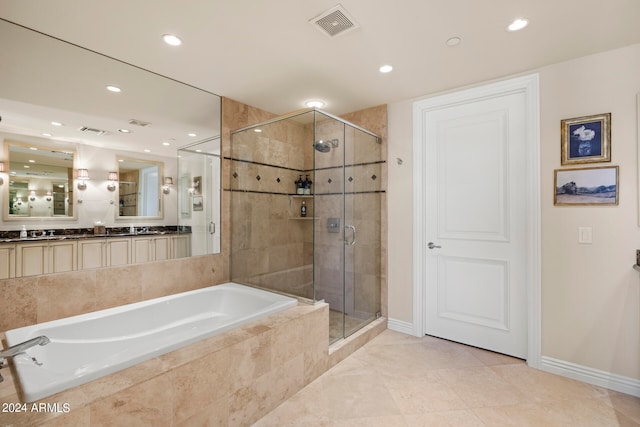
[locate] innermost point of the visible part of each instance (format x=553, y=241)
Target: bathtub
x=89, y=346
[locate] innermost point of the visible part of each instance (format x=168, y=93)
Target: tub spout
x=23, y=346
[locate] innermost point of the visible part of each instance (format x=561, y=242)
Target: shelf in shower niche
x=301, y=196
x=301, y=217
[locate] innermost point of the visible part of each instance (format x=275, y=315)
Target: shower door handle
x=353, y=240
x=212, y=227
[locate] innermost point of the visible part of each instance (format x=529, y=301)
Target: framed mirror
x=40, y=183
x=139, y=189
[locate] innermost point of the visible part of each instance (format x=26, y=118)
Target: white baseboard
x=591, y=376
x=401, y=326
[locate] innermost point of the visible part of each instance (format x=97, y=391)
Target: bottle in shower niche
x=299, y=185
x=303, y=209
x=307, y=185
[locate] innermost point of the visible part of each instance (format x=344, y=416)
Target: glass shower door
x=362, y=219
x=347, y=250
x=199, y=195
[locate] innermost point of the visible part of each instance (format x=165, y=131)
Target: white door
x=476, y=222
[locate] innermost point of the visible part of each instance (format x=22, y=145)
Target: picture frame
x=585, y=139
x=197, y=203
x=197, y=185
x=593, y=186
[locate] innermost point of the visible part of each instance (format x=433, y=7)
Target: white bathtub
x=89, y=346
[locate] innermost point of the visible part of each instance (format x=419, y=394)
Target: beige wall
x=590, y=293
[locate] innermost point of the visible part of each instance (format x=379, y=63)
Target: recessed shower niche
x=331, y=249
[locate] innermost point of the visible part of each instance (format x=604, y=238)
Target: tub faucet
x=21, y=348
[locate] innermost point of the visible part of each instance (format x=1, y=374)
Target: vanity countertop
x=87, y=233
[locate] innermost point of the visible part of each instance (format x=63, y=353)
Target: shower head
x=324, y=146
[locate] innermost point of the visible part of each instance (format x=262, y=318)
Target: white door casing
x=476, y=194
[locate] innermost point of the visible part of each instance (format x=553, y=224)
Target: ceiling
x=267, y=54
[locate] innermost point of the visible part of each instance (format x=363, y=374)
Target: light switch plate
x=585, y=235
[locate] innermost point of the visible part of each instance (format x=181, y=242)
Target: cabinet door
x=181, y=246
x=31, y=259
x=118, y=252
x=7, y=261
x=91, y=253
x=142, y=250
x=161, y=248
x=63, y=256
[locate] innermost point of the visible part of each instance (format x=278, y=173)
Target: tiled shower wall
x=271, y=246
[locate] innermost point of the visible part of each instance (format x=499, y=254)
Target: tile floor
x=400, y=380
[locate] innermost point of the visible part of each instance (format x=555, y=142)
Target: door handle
x=432, y=245
x=353, y=241
x=212, y=227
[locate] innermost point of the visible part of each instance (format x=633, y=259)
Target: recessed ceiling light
x=172, y=40
x=31, y=161
x=147, y=151
x=257, y=130
x=124, y=130
x=26, y=166
x=33, y=148
x=192, y=134
x=453, y=41
x=121, y=160
x=198, y=151
x=314, y=104
x=46, y=134
x=518, y=24
x=114, y=89
x=56, y=123
x=166, y=144
x=386, y=69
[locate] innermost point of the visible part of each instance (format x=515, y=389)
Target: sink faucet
x=21, y=348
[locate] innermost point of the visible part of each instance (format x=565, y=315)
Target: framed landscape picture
x=586, y=139
x=586, y=186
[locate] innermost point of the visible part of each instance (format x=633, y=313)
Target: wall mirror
x=139, y=188
x=53, y=94
x=40, y=182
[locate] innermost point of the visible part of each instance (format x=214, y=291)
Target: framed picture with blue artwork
x=586, y=139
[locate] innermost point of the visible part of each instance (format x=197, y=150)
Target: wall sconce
x=1, y=170
x=32, y=195
x=168, y=182
x=113, y=177
x=48, y=198
x=83, y=175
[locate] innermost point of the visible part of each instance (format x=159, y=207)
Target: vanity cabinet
x=150, y=248
x=95, y=253
x=30, y=258
x=44, y=257
x=7, y=261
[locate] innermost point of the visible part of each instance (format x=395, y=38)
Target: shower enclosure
x=320, y=240
x=199, y=195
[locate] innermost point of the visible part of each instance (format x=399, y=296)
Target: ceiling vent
x=140, y=123
x=95, y=131
x=334, y=21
